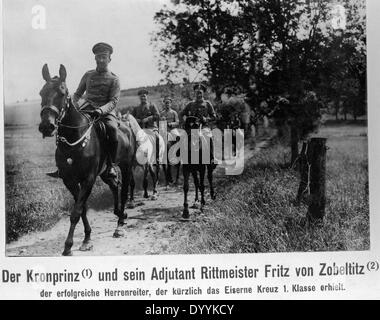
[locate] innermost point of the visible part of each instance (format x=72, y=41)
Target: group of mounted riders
x=102, y=88
x=84, y=151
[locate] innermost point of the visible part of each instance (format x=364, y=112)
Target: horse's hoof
x=185, y=214
x=67, y=253
x=154, y=197
x=86, y=246
x=146, y=196
x=118, y=233
x=131, y=205
x=185, y=217
x=195, y=205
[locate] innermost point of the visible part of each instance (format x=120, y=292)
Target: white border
x=358, y=287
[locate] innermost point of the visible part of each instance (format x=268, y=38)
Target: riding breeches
x=111, y=125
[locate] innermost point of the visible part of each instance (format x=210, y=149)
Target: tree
x=206, y=36
x=343, y=73
x=287, y=59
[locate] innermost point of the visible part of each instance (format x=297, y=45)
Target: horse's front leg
x=83, y=194
x=116, y=188
x=186, y=175
x=178, y=166
x=202, y=184
x=125, y=173
x=131, y=203
x=210, y=169
x=168, y=174
x=87, y=243
x=157, y=173
x=154, y=181
x=196, y=184
x=145, y=180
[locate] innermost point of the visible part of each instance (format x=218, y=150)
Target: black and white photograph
x=182, y=127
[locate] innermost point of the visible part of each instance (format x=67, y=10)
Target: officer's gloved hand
x=98, y=112
x=203, y=120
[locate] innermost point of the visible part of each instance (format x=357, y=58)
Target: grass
x=255, y=212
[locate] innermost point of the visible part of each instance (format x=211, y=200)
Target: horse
x=172, y=138
x=149, y=154
x=81, y=154
x=194, y=123
x=234, y=123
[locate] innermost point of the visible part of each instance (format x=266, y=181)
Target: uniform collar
x=103, y=71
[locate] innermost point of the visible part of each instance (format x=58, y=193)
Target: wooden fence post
x=304, y=173
x=316, y=155
x=293, y=144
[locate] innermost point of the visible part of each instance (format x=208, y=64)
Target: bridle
x=60, y=114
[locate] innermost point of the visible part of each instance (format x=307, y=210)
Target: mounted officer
x=172, y=121
x=102, y=89
x=201, y=109
x=168, y=114
x=147, y=114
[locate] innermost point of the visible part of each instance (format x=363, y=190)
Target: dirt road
x=149, y=229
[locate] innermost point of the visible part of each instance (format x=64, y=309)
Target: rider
x=203, y=110
x=168, y=114
x=171, y=117
x=102, y=89
x=147, y=114
x=102, y=94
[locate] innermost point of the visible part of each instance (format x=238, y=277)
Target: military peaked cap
x=199, y=87
x=102, y=48
x=168, y=98
x=142, y=91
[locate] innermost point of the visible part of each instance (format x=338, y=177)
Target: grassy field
x=255, y=212
x=28, y=113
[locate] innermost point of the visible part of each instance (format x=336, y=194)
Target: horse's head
x=192, y=122
x=53, y=98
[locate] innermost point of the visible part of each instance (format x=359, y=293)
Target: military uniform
x=171, y=116
x=201, y=109
x=144, y=111
x=102, y=89
x=204, y=111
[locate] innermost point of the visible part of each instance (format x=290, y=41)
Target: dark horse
x=194, y=123
x=81, y=154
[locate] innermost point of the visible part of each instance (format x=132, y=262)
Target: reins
x=85, y=137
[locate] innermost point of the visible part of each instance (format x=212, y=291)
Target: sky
x=72, y=28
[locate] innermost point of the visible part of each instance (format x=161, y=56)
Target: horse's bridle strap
x=52, y=108
x=86, y=135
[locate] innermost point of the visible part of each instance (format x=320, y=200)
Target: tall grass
x=255, y=212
